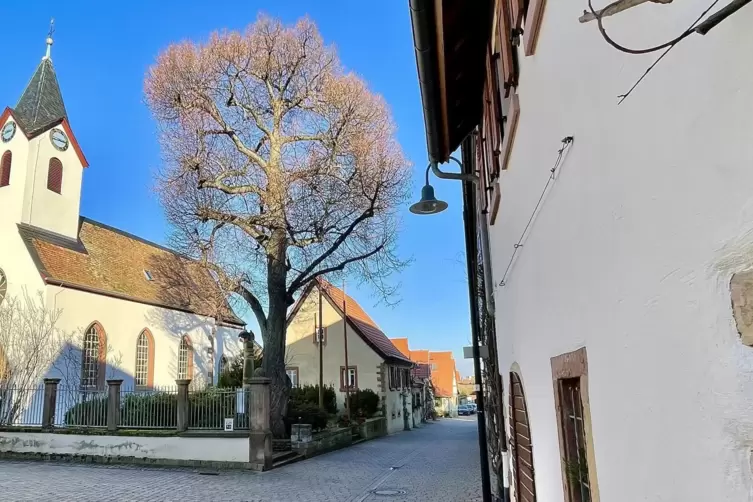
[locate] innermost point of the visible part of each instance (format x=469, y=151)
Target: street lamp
x=428, y=204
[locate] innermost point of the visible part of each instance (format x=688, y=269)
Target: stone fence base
x=230, y=452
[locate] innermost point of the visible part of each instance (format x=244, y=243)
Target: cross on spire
x=49, y=38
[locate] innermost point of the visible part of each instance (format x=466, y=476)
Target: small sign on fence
x=229, y=424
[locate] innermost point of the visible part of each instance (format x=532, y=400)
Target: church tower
x=41, y=163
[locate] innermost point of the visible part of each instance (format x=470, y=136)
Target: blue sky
x=101, y=53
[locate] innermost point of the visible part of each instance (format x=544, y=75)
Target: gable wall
x=303, y=353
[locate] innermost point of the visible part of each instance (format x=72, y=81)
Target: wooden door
x=520, y=443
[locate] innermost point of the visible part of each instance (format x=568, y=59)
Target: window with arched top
x=144, y=373
x=55, y=175
x=93, y=355
x=3, y=286
x=185, y=359
x=223, y=364
x=5, y=163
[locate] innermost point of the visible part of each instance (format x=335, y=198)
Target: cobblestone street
x=438, y=462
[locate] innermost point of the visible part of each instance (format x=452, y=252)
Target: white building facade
x=131, y=309
x=615, y=275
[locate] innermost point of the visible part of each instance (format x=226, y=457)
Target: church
x=137, y=311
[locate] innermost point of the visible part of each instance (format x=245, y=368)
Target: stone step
x=280, y=459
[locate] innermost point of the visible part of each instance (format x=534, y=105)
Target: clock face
x=59, y=140
x=8, y=132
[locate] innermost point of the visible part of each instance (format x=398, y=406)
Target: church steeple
x=41, y=105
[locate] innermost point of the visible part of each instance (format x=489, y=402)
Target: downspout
x=469, y=167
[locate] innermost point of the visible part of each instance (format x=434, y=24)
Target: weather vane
x=49, y=39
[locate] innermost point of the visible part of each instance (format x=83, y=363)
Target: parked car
x=472, y=407
x=464, y=409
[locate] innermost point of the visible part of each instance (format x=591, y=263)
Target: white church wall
x=633, y=248
x=12, y=196
x=57, y=212
x=124, y=320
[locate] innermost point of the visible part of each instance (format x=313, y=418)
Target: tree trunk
x=273, y=363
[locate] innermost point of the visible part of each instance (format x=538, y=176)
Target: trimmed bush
x=306, y=413
x=149, y=410
x=309, y=394
x=92, y=412
x=210, y=408
x=364, y=403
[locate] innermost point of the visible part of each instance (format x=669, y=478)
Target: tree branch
x=299, y=281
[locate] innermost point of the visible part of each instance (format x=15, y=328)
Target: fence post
x=260, y=434
x=113, y=404
x=50, y=401
x=182, y=418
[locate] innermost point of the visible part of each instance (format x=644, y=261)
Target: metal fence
x=21, y=406
x=210, y=408
x=155, y=408
x=78, y=407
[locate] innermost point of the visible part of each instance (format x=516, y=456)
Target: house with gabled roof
x=140, y=311
x=373, y=360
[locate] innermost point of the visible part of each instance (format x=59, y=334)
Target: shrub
x=92, y=412
x=232, y=377
x=364, y=403
x=309, y=394
x=306, y=413
x=210, y=408
x=149, y=410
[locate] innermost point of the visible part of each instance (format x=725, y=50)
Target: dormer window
x=55, y=175
x=148, y=275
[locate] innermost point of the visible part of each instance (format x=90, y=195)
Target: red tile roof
x=443, y=370
x=419, y=356
x=402, y=346
x=359, y=319
x=107, y=261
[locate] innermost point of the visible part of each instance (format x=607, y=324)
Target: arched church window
x=5, y=164
x=144, y=374
x=93, y=357
x=3, y=286
x=185, y=359
x=55, y=175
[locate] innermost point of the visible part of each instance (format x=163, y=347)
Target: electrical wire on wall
x=698, y=26
x=566, y=142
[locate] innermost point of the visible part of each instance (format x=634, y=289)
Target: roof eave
x=451, y=81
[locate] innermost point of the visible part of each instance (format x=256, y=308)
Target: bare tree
x=280, y=167
x=30, y=342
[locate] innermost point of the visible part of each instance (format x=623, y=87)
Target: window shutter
x=534, y=16
x=504, y=37
x=5, y=164
x=55, y=175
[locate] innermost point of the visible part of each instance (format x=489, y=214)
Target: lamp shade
x=428, y=204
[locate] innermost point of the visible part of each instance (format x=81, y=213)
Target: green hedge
x=364, y=403
x=92, y=412
x=207, y=409
x=310, y=394
x=306, y=413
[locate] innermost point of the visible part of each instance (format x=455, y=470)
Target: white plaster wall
x=303, y=353
x=632, y=251
x=44, y=208
x=15, y=261
x=11, y=196
x=393, y=401
x=177, y=448
x=124, y=320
